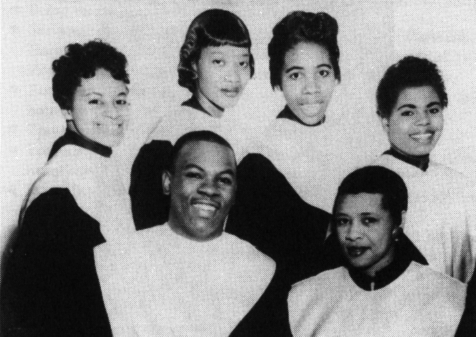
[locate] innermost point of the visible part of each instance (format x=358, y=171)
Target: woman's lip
x=422, y=137
x=231, y=92
x=356, y=251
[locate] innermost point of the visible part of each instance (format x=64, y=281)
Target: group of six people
x=214, y=237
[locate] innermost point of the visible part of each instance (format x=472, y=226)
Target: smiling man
x=188, y=277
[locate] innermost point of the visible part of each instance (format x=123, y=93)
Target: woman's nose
x=353, y=232
x=232, y=74
x=311, y=85
x=423, y=118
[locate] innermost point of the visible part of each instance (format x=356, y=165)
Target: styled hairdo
x=82, y=61
x=299, y=26
x=409, y=72
x=195, y=136
x=214, y=27
x=377, y=180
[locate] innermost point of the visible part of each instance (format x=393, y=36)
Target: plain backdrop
x=372, y=35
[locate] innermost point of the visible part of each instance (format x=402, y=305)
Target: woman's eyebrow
x=411, y=106
x=433, y=104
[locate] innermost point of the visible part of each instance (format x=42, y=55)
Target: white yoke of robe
x=96, y=185
x=161, y=284
x=441, y=217
x=314, y=160
x=185, y=119
x=421, y=302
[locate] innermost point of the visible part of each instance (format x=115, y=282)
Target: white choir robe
x=158, y=283
x=441, y=216
x=420, y=302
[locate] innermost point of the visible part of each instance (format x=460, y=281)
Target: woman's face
x=308, y=81
x=365, y=232
x=100, y=109
x=416, y=121
x=222, y=75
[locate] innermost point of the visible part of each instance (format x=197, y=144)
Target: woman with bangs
x=215, y=66
x=441, y=221
x=286, y=188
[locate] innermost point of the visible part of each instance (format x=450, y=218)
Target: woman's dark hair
x=296, y=27
x=409, y=72
x=82, y=61
x=214, y=27
x=377, y=180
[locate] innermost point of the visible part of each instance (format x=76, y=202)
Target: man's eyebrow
x=229, y=171
x=195, y=166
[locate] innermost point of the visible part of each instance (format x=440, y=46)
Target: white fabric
x=185, y=119
x=314, y=160
x=161, y=284
x=421, y=302
x=441, y=217
x=95, y=184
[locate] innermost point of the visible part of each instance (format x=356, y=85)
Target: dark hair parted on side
x=299, y=26
x=409, y=72
x=215, y=28
x=377, y=180
x=195, y=136
x=82, y=61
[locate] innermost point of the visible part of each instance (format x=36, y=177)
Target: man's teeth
x=205, y=207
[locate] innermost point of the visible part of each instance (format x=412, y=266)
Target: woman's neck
x=421, y=162
x=209, y=106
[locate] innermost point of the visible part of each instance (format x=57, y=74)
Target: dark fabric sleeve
x=150, y=207
x=269, y=316
x=467, y=326
x=269, y=214
x=50, y=286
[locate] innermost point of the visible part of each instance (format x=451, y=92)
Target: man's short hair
x=195, y=136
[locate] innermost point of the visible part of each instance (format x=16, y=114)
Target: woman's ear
x=384, y=121
x=67, y=114
x=404, y=218
x=166, y=177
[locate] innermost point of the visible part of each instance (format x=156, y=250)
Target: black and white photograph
x=238, y=168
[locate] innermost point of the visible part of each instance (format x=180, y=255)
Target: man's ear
x=166, y=179
x=67, y=114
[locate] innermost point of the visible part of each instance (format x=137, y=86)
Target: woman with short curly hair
x=50, y=285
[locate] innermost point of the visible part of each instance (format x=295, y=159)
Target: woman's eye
x=244, y=64
x=369, y=221
x=434, y=111
x=294, y=76
x=324, y=73
x=218, y=62
x=342, y=222
x=407, y=113
x=94, y=101
x=121, y=102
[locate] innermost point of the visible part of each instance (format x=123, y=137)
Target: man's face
x=202, y=189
